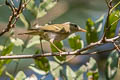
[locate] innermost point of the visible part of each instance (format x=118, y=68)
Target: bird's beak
x=82, y=30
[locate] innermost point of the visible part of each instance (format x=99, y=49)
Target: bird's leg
x=41, y=46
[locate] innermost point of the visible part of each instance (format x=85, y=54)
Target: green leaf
x=60, y=59
x=99, y=23
x=44, y=6
x=34, y=40
x=92, y=75
x=2, y=68
x=60, y=46
x=31, y=6
x=41, y=72
x=70, y=73
x=115, y=6
x=48, y=4
x=20, y=76
x=92, y=69
x=8, y=49
x=80, y=72
x=4, y=52
x=42, y=63
x=75, y=42
x=91, y=34
x=24, y=20
x=40, y=11
x=112, y=65
x=17, y=41
x=112, y=18
x=55, y=69
x=92, y=64
x=9, y=75
x=32, y=77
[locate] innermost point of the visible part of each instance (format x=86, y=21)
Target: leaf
x=9, y=75
x=91, y=35
x=112, y=65
x=1, y=47
x=60, y=46
x=40, y=11
x=17, y=41
x=36, y=70
x=48, y=4
x=92, y=64
x=2, y=68
x=99, y=24
x=75, y=42
x=24, y=20
x=70, y=73
x=32, y=77
x=55, y=69
x=60, y=59
x=8, y=49
x=31, y=6
x=92, y=69
x=20, y=76
x=4, y=52
x=42, y=63
x=80, y=72
x=92, y=75
x=44, y=6
x=112, y=18
x=34, y=40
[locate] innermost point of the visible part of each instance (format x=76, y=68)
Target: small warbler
x=55, y=32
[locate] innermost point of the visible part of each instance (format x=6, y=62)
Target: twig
x=116, y=47
x=107, y=27
x=48, y=54
x=114, y=6
x=77, y=52
x=15, y=14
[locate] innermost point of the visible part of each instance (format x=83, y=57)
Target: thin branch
x=49, y=54
x=15, y=14
x=114, y=6
x=109, y=4
x=116, y=47
x=12, y=3
x=77, y=52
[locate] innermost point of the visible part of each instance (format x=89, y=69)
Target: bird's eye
x=74, y=25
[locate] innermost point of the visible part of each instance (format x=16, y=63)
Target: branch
x=116, y=47
x=15, y=14
x=77, y=52
x=107, y=27
x=48, y=54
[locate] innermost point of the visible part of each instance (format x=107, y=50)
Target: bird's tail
x=31, y=32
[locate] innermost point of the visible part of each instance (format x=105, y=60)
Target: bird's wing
x=33, y=32
x=57, y=28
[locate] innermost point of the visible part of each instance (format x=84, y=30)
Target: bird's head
x=75, y=28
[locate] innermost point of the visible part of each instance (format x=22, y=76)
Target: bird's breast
x=56, y=37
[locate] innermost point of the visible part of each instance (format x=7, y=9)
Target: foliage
x=57, y=66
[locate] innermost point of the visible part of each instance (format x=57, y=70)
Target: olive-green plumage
x=55, y=32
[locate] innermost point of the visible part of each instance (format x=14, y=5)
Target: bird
x=55, y=32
